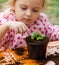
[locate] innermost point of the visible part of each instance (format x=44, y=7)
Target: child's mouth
x=27, y=19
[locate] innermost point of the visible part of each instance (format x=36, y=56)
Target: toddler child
x=21, y=19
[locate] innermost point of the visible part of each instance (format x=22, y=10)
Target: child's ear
x=12, y=8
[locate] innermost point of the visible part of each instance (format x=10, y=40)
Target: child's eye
x=24, y=8
x=35, y=10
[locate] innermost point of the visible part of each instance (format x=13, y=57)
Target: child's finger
x=27, y=29
x=2, y=49
x=15, y=28
x=23, y=29
x=20, y=30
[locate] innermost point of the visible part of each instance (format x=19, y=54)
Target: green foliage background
x=2, y=3
x=52, y=9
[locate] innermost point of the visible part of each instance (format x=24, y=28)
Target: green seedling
x=37, y=36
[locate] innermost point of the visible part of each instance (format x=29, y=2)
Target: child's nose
x=28, y=13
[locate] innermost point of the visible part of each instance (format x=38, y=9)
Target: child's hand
x=2, y=49
x=19, y=27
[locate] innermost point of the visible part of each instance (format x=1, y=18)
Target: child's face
x=27, y=11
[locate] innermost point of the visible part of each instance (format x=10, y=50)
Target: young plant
x=37, y=36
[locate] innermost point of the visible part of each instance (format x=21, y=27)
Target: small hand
x=2, y=49
x=19, y=27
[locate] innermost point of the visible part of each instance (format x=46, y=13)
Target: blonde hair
x=43, y=3
x=12, y=2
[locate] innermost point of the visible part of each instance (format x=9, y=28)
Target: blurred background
x=51, y=8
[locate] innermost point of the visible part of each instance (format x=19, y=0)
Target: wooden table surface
x=14, y=57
